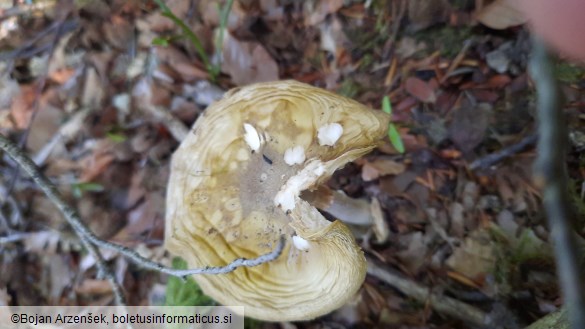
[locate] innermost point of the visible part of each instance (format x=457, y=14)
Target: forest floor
x=72, y=85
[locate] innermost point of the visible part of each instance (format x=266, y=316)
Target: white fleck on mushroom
x=300, y=243
x=248, y=209
x=329, y=134
x=252, y=137
x=294, y=155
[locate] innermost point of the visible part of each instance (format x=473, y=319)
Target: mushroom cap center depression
x=261, y=178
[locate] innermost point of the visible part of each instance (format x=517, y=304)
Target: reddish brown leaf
x=420, y=89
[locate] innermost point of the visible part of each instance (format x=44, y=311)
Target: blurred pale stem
x=551, y=174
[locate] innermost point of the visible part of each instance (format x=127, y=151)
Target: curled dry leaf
x=501, y=14
x=380, y=226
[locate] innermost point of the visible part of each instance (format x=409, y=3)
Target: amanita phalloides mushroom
x=235, y=188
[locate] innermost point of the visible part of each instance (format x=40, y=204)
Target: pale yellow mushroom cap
x=229, y=184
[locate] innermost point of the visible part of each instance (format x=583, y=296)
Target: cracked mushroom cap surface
x=234, y=190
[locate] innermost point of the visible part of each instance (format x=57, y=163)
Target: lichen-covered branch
x=91, y=241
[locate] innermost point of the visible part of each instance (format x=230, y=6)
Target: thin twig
x=493, y=158
x=442, y=304
x=85, y=234
x=551, y=175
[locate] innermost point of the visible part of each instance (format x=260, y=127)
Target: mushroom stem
x=358, y=213
x=350, y=210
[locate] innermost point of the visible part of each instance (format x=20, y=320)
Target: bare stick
x=506, y=152
x=442, y=304
x=551, y=175
x=86, y=235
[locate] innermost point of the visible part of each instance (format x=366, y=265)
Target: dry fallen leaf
x=332, y=36
x=22, y=105
x=247, y=62
x=475, y=256
x=469, y=126
x=94, y=287
x=379, y=226
x=423, y=13
x=420, y=89
x=60, y=275
x=501, y=14
x=4, y=297
x=45, y=241
x=416, y=249
x=93, y=91
x=45, y=125
x=96, y=163
x=316, y=12
x=381, y=167
x=180, y=63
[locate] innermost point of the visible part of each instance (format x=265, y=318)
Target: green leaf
x=162, y=5
x=386, y=106
x=395, y=138
x=160, y=41
x=79, y=188
x=116, y=137
x=166, y=12
x=185, y=293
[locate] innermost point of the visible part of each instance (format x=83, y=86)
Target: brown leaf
x=44, y=127
x=247, y=62
x=21, y=107
x=381, y=167
x=95, y=165
x=501, y=14
x=475, y=256
x=420, y=89
x=414, y=254
x=469, y=126
x=179, y=62
x=423, y=13
x=94, y=287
